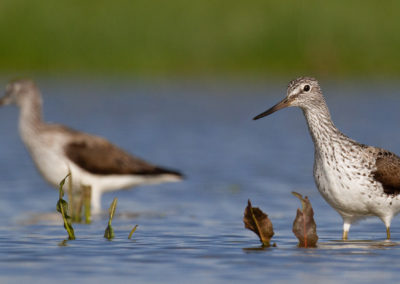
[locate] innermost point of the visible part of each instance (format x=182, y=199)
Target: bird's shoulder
x=387, y=170
x=59, y=129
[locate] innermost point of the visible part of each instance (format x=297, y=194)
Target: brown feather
x=388, y=172
x=98, y=156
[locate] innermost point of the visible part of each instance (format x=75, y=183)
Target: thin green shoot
x=87, y=196
x=133, y=230
x=109, y=232
x=62, y=207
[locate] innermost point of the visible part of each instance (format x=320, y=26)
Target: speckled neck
x=30, y=118
x=323, y=132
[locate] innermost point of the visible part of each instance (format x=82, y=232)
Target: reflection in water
x=358, y=244
x=356, y=247
x=54, y=218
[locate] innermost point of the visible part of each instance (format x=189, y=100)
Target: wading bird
x=92, y=161
x=355, y=179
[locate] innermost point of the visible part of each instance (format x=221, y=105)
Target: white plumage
x=92, y=161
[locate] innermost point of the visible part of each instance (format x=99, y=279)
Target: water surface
x=193, y=231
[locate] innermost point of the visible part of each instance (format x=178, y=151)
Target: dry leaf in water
x=304, y=226
x=257, y=221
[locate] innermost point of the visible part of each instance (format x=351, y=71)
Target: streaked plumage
x=356, y=180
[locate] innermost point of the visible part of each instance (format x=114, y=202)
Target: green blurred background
x=200, y=38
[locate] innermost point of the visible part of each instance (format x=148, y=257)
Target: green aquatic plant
x=62, y=207
x=109, y=233
x=75, y=203
x=133, y=230
x=72, y=202
x=80, y=201
x=86, y=197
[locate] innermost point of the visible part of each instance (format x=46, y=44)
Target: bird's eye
x=306, y=88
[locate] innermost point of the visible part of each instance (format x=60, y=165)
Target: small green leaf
x=111, y=211
x=62, y=185
x=62, y=208
x=109, y=232
x=87, y=195
x=133, y=230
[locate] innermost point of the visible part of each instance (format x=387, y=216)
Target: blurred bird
x=355, y=179
x=92, y=161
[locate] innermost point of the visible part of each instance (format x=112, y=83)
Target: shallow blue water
x=193, y=231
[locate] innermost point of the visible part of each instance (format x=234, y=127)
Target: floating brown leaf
x=304, y=226
x=257, y=221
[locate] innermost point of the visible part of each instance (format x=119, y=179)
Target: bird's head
x=19, y=92
x=302, y=92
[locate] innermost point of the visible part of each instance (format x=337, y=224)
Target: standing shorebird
x=355, y=179
x=91, y=160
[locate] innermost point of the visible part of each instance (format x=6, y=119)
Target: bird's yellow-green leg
x=387, y=221
x=346, y=228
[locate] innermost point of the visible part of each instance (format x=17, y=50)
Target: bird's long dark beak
x=284, y=103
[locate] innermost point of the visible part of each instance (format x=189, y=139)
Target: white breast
x=47, y=154
x=342, y=188
x=349, y=190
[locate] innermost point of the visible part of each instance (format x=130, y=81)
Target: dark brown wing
x=98, y=156
x=388, y=172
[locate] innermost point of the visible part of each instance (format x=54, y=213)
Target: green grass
x=177, y=37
